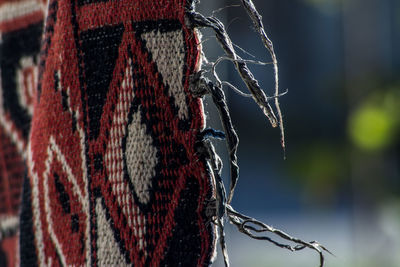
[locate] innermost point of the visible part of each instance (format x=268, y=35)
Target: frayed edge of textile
x=219, y=208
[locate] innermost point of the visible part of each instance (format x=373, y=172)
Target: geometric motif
x=114, y=175
x=21, y=24
x=107, y=246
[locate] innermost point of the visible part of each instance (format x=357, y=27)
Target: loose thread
x=201, y=86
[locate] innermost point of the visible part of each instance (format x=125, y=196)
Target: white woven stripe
x=26, y=83
x=114, y=154
x=168, y=52
x=10, y=128
x=86, y=207
x=54, y=153
x=108, y=251
x=8, y=222
x=36, y=209
x=47, y=200
x=141, y=158
x=139, y=229
x=9, y=11
x=84, y=170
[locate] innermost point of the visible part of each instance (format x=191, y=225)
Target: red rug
x=105, y=129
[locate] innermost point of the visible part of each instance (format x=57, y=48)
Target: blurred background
x=340, y=183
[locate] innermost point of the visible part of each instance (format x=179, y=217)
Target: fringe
x=201, y=85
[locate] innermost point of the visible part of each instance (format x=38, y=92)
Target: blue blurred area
x=340, y=184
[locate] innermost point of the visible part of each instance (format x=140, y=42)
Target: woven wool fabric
x=21, y=24
x=113, y=172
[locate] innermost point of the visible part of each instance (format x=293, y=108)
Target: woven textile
x=108, y=130
x=21, y=24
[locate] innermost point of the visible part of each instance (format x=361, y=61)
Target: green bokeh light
x=371, y=128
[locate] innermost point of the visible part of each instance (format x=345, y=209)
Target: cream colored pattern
x=141, y=158
x=114, y=153
x=168, y=52
x=108, y=251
